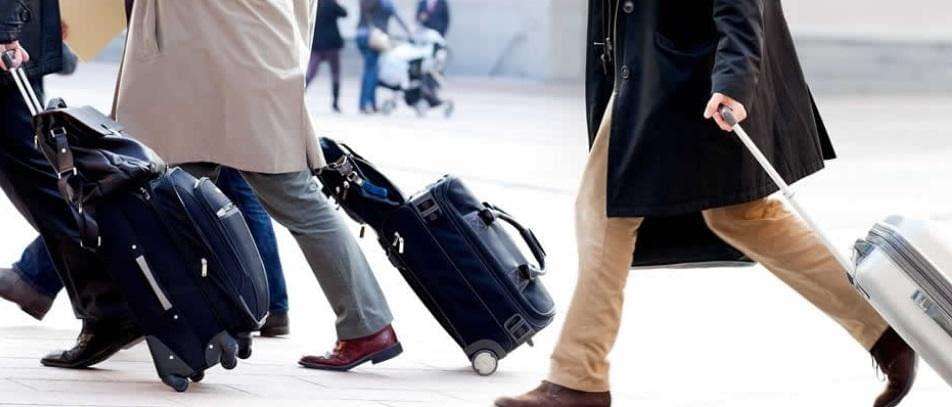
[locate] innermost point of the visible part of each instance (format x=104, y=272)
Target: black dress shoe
x=898, y=362
x=98, y=341
x=277, y=324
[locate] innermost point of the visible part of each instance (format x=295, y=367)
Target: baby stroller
x=413, y=70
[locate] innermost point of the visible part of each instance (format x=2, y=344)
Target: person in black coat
x=658, y=71
x=434, y=14
x=326, y=45
x=31, y=30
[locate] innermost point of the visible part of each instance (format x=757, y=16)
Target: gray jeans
x=295, y=201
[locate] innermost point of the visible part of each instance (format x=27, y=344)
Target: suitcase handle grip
x=785, y=189
x=8, y=59
x=530, y=238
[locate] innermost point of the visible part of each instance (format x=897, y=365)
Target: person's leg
x=373, y=69
x=313, y=67
x=767, y=232
x=333, y=57
x=259, y=222
x=579, y=363
x=295, y=201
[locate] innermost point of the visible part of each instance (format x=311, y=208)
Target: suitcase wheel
x=197, y=377
x=179, y=383
x=229, y=354
x=244, y=345
x=485, y=362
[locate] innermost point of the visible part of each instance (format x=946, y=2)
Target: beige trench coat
x=221, y=82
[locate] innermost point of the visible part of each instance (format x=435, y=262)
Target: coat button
x=625, y=72
x=629, y=6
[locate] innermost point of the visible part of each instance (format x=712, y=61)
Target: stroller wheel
x=449, y=108
x=388, y=107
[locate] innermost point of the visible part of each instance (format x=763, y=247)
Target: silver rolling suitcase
x=898, y=268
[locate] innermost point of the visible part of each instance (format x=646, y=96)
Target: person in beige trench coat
x=210, y=83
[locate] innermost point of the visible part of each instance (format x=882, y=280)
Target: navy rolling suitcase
x=455, y=252
x=177, y=247
x=187, y=263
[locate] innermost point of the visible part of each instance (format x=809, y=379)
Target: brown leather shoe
x=348, y=354
x=552, y=395
x=898, y=362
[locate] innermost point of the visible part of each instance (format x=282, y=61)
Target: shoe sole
x=375, y=358
x=91, y=361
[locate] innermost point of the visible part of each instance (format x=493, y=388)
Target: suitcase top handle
x=492, y=213
x=788, y=193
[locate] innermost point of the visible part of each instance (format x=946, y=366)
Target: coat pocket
x=144, y=39
x=698, y=50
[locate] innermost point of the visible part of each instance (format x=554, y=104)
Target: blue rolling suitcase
x=456, y=253
x=177, y=247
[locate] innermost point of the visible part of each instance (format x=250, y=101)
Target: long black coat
x=326, y=32
x=664, y=60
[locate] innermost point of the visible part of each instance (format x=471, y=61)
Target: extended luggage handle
x=788, y=193
x=22, y=82
x=535, y=246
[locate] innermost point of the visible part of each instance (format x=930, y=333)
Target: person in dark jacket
x=434, y=14
x=31, y=30
x=374, y=14
x=657, y=71
x=327, y=45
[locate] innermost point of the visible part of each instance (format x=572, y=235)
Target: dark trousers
x=332, y=57
x=30, y=183
x=36, y=267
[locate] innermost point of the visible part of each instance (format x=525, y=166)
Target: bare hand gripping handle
x=785, y=189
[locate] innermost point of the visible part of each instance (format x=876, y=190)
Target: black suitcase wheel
x=179, y=383
x=485, y=362
x=244, y=345
x=229, y=353
x=197, y=377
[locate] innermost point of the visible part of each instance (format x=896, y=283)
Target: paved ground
x=725, y=337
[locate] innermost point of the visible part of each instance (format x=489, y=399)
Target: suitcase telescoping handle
x=785, y=189
x=23, y=83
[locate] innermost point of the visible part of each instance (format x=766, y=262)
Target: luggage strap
x=61, y=158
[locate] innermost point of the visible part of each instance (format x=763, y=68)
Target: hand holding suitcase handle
x=530, y=238
x=788, y=193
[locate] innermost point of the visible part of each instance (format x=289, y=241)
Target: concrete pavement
x=722, y=337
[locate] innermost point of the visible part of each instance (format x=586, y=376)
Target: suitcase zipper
x=929, y=280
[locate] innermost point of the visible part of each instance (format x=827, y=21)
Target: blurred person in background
x=434, y=14
x=372, y=39
x=326, y=46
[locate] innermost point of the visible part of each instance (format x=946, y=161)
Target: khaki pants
x=764, y=230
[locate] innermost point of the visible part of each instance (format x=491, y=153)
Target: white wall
x=872, y=19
